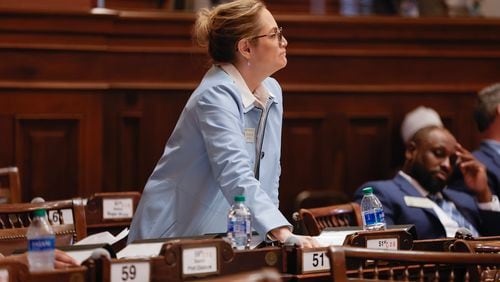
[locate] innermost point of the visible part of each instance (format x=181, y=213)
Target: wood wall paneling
x=104, y=90
x=7, y=140
x=369, y=146
x=48, y=154
x=306, y=141
x=56, y=141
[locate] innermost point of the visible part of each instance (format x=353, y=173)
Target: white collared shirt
x=259, y=98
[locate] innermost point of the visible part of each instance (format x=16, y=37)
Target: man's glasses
x=278, y=33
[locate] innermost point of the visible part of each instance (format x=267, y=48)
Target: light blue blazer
x=208, y=160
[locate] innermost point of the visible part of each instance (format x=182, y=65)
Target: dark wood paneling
x=127, y=76
x=56, y=141
x=47, y=152
x=129, y=151
x=306, y=142
x=369, y=144
x=7, y=142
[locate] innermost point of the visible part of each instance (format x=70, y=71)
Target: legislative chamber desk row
x=212, y=259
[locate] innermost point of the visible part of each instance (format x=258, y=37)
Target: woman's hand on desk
x=63, y=260
x=284, y=235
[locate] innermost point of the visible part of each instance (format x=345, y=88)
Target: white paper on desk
x=327, y=238
x=140, y=250
x=103, y=238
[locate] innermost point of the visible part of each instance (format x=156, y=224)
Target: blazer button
x=261, y=155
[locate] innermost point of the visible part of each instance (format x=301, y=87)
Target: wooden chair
x=308, y=199
x=10, y=185
x=316, y=219
x=384, y=265
x=67, y=218
x=111, y=211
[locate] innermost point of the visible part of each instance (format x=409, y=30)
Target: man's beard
x=427, y=179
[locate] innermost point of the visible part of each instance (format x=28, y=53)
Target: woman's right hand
x=302, y=241
x=284, y=235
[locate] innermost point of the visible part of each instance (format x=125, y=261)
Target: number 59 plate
x=130, y=272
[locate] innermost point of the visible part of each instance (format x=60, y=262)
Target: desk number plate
x=55, y=216
x=382, y=243
x=199, y=260
x=130, y=271
x=117, y=208
x=315, y=262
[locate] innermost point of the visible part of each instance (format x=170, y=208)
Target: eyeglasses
x=278, y=33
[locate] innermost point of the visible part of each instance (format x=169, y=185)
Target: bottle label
x=42, y=244
x=370, y=218
x=374, y=216
x=238, y=226
x=380, y=217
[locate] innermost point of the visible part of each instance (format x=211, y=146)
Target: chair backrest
x=316, y=219
x=67, y=218
x=391, y=265
x=10, y=185
x=110, y=211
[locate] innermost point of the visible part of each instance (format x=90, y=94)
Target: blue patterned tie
x=452, y=211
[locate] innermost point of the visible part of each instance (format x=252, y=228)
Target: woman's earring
x=248, y=63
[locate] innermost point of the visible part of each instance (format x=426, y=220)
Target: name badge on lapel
x=418, y=202
x=250, y=135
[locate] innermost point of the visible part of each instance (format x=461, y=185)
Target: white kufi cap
x=417, y=119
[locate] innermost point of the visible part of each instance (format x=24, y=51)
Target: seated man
x=487, y=116
x=430, y=156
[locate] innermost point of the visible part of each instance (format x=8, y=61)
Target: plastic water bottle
x=239, y=224
x=41, y=243
x=372, y=211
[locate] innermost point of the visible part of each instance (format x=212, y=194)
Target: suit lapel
x=408, y=189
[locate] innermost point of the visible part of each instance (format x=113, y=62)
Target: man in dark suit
x=417, y=194
x=487, y=116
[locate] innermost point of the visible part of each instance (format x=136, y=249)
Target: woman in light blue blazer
x=227, y=141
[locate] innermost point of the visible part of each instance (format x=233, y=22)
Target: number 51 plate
x=315, y=262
